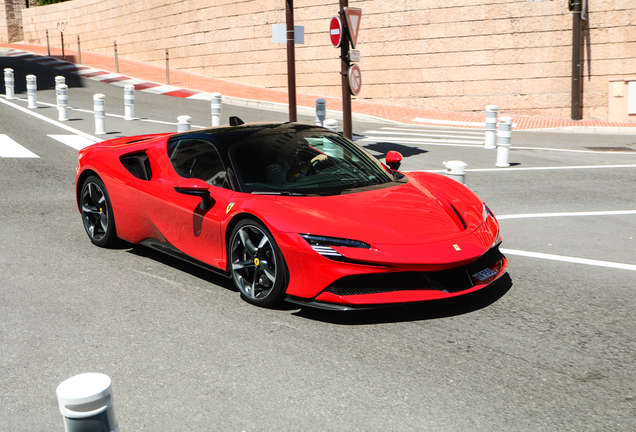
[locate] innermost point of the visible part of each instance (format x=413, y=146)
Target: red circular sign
x=335, y=31
x=355, y=79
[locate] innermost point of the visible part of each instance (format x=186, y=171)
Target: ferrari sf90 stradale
x=291, y=212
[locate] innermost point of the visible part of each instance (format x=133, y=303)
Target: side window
x=196, y=158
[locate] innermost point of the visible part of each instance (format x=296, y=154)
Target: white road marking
x=48, y=120
x=11, y=149
x=451, y=122
x=424, y=130
x=544, y=215
x=529, y=168
x=438, y=143
x=75, y=141
x=569, y=259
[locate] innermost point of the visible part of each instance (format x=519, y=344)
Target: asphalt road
x=551, y=347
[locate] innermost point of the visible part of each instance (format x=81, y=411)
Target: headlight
x=323, y=245
x=486, y=212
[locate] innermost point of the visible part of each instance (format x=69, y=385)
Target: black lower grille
x=453, y=280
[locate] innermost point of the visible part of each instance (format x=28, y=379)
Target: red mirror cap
x=393, y=157
x=192, y=184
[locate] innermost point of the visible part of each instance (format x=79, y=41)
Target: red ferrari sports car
x=291, y=212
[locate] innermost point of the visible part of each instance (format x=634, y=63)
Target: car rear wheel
x=97, y=212
x=257, y=264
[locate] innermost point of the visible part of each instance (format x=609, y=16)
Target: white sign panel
x=279, y=34
x=631, y=97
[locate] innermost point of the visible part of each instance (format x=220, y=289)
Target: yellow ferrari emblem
x=457, y=248
x=229, y=207
x=256, y=261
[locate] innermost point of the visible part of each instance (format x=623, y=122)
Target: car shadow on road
x=420, y=311
x=184, y=266
x=384, y=147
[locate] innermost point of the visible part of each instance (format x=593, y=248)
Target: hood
x=420, y=211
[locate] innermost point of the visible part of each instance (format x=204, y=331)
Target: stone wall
x=11, y=20
x=447, y=54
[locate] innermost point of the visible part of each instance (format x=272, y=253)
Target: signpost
x=351, y=74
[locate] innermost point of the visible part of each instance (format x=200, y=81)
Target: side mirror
x=195, y=187
x=394, y=160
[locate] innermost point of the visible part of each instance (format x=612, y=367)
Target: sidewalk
x=147, y=77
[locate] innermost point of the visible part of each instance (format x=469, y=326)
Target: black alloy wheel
x=97, y=212
x=257, y=264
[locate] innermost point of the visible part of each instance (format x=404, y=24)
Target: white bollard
x=100, y=113
x=503, y=142
x=216, y=109
x=321, y=112
x=32, y=88
x=129, y=102
x=86, y=403
x=62, y=102
x=183, y=123
x=456, y=170
x=491, y=126
x=331, y=124
x=58, y=81
x=9, y=83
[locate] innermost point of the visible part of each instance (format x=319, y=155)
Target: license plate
x=484, y=274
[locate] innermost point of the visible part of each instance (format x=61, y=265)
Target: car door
x=178, y=218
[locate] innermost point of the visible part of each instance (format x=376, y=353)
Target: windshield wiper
x=283, y=193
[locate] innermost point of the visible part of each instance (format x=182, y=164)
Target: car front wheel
x=257, y=264
x=97, y=212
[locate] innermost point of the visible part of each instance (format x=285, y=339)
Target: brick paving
x=184, y=84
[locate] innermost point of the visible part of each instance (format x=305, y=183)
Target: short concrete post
x=62, y=102
x=9, y=83
x=32, y=88
x=216, y=109
x=456, y=170
x=86, y=403
x=491, y=126
x=321, y=112
x=183, y=123
x=100, y=113
x=129, y=102
x=331, y=124
x=503, y=142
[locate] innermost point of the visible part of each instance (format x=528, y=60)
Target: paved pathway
x=147, y=77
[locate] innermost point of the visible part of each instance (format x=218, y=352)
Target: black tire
x=256, y=264
x=97, y=213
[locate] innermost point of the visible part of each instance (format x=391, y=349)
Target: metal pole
x=116, y=59
x=48, y=47
x=291, y=60
x=344, y=70
x=62, y=37
x=167, y=68
x=79, y=51
x=576, y=60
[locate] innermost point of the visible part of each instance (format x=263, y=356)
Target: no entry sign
x=335, y=31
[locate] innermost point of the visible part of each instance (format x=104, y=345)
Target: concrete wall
x=447, y=54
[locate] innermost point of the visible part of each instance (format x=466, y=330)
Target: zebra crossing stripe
x=75, y=141
x=11, y=149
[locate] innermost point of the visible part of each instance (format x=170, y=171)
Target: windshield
x=304, y=160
